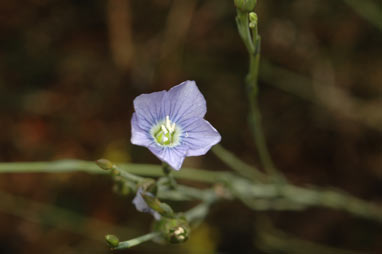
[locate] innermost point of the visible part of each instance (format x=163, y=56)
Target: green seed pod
x=245, y=5
x=173, y=230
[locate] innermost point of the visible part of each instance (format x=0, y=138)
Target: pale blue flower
x=171, y=125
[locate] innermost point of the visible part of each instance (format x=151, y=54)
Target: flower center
x=166, y=133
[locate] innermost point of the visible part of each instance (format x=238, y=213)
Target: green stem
x=238, y=165
x=67, y=166
x=252, y=43
x=168, y=172
x=239, y=187
x=258, y=133
x=136, y=241
x=198, y=212
x=369, y=10
x=117, y=171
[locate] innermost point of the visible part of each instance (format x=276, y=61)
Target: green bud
x=104, y=164
x=112, y=240
x=173, y=230
x=253, y=17
x=245, y=5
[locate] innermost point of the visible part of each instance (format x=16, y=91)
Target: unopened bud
x=253, y=17
x=245, y=5
x=112, y=240
x=105, y=164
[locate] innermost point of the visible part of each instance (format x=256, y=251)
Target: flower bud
x=253, y=17
x=245, y=5
x=104, y=164
x=252, y=20
x=112, y=240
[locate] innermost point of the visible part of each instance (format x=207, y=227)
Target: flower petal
x=139, y=136
x=184, y=101
x=173, y=156
x=199, y=135
x=149, y=108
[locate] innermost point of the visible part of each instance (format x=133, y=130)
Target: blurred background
x=69, y=71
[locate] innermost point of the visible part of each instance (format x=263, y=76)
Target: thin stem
x=167, y=170
x=252, y=44
x=66, y=166
x=239, y=187
x=238, y=165
x=136, y=241
x=368, y=10
x=198, y=212
x=117, y=171
x=258, y=133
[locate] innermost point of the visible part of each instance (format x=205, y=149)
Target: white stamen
x=167, y=133
x=164, y=129
x=186, y=134
x=168, y=123
x=170, y=127
x=179, y=231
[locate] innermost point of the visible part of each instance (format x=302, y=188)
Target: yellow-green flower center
x=166, y=133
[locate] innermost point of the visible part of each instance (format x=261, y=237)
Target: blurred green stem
x=198, y=213
x=168, y=172
x=238, y=165
x=293, y=197
x=117, y=171
x=249, y=35
x=90, y=167
x=136, y=241
x=369, y=10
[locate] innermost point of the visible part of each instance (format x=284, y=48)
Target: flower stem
x=239, y=187
x=143, y=170
x=198, y=213
x=167, y=170
x=251, y=39
x=238, y=165
x=117, y=171
x=136, y=241
x=368, y=10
